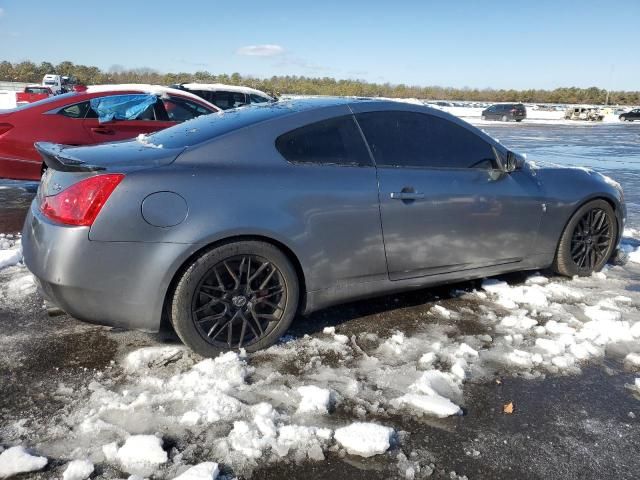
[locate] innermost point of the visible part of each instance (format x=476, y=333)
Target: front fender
x=566, y=190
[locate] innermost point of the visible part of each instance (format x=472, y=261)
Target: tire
x=518, y=120
x=505, y=118
x=623, y=119
x=207, y=299
x=483, y=117
x=581, y=250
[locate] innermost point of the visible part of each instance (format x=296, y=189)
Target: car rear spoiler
x=56, y=159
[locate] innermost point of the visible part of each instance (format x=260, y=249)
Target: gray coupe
x=230, y=224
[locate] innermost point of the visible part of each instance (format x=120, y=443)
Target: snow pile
x=10, y=250
x=16, y=460
x=431, y=394
x=365, y=439
x=635, y=387
x=314, y=399
x=141, y=454
x=632, y=360
x=78, y=470
x=202, y=471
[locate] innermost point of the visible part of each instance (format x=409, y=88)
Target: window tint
x=226, y=100
x=335, y=141
x=258, y=99
x=410, y=139
x=78, y=110
x=180, y=110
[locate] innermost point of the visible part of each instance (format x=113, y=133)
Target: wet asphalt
x=563, y=427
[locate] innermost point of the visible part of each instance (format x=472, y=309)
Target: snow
x=78, y=470
x=140, y=454
x=10, y=250
x=17, y=459
x=144, y=140
x=633, y=360
x=202, y=471
x=214, y=87
x=314, y=399
x=365, y=439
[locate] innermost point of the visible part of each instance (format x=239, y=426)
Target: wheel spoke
x=234, y=277
x=266, y=280
x=257, y=272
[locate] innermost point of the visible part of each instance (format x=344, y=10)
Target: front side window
x=335, y=141
x=411, y=139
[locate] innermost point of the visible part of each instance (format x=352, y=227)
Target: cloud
x=289, y=61
x=266, y=50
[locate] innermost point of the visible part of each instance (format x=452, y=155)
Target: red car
x=81, y=118
x=32, y=94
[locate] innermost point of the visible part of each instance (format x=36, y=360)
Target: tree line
x=90, y=75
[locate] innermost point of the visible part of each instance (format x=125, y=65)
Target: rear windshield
x=206, y=127
x=45, y=101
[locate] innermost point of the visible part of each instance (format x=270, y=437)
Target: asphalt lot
x=565, y=426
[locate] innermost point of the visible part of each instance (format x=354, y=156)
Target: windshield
x=206, y=127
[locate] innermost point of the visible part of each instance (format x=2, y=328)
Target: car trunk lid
x=68, y=165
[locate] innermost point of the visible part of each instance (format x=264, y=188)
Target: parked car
x=225, y=96
x=590, y=114
x=242, y=220
x=33, y=93
x=630, y=116
x=72, y=119
x=505, y=112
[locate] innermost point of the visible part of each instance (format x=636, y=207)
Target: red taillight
x=80, y=203
x=5, y=127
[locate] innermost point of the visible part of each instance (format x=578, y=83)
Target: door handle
x=407, y=195
x=103, y=130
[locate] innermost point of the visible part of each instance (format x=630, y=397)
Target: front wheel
x=587, y=241
x=623, y=119
x=238, y=295
x=505, y=118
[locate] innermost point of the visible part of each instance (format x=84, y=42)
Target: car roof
x=221, y=87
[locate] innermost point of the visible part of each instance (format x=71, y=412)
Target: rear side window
x=336, y=141
x=258, y=99
x=77, y=110
x=411, y=139
x=180, y=110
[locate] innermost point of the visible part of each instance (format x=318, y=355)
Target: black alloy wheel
x=239, y=301
x=237, y=295
x=588, y=240
x=591, y=239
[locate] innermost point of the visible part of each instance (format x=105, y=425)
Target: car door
x=152, y=119
x=445, y=205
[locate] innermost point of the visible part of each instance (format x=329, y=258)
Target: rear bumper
x=109, y=283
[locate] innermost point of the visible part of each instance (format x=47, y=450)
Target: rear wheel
x=483, y=117
x=588, y=240
x=518, y=120
x=238, y=295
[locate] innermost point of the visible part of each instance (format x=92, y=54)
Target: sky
x=478, y=44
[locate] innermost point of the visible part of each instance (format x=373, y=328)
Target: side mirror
x=514, y=162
